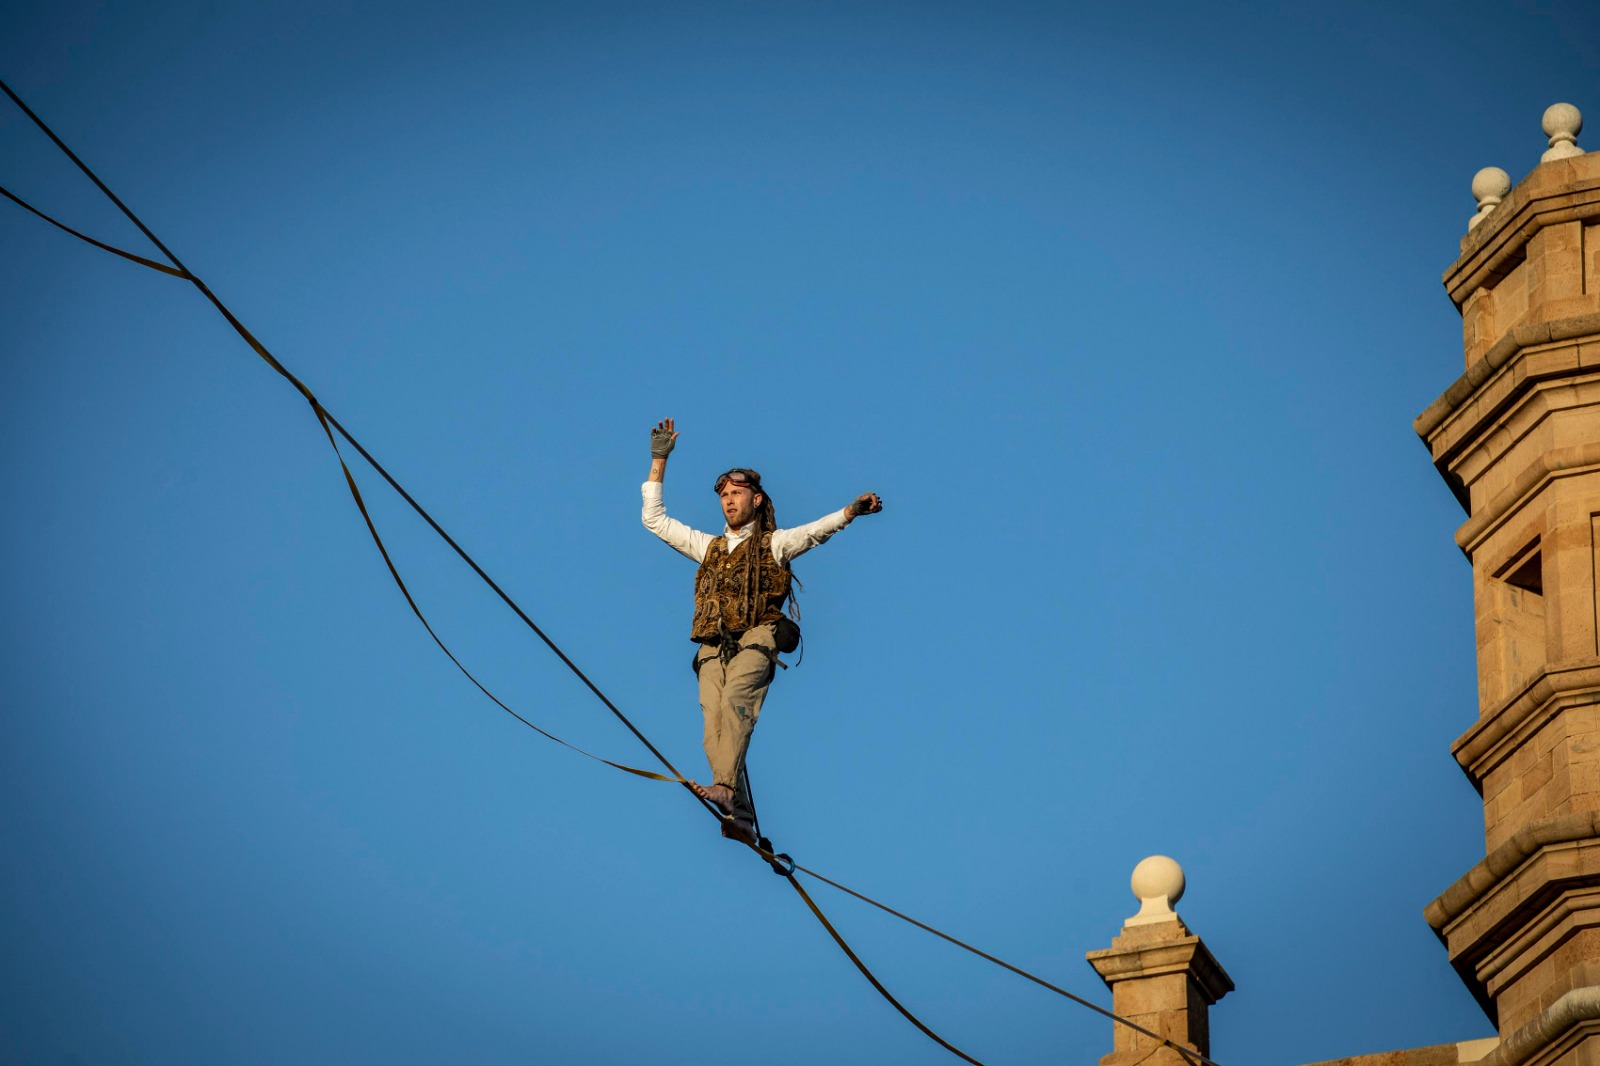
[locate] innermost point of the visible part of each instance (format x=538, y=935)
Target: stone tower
x=1517, y=437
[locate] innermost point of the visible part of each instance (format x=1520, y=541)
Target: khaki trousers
x=731, y=694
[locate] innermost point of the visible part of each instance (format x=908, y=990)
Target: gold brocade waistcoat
x=733, y=592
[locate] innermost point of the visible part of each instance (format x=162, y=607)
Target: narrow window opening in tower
x=1526, y=573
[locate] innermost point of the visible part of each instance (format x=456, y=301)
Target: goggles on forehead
x=746, y=478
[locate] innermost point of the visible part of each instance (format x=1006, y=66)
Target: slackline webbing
x=331, y=426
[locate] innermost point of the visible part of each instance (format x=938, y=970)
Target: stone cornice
x=1502, y=729
x=1568, y=904
x=1521, y=903
x=1488, y=874
x=1562, y=191
x=1527, y=335
x=1187, y=955
x=1572, y=1018
x=1563, y=462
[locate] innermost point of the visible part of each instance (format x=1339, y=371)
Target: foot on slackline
x=719, y=796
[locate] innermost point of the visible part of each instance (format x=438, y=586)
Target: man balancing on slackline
x=739, y=622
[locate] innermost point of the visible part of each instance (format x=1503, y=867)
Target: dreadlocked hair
x=766, y=522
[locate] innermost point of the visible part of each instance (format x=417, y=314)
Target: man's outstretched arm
x=790, y=544
x=690, y=542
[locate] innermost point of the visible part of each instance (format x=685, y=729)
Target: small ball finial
x=1489, y=186
x=1157, y=883
x=1562, y=123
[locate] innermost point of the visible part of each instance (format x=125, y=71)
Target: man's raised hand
x=866, y=503
x=662, y=439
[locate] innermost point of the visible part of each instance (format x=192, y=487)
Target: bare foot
x=720, y=796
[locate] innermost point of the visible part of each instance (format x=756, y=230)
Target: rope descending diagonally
x=335, y=431
x=884, y=992
x=788, y=867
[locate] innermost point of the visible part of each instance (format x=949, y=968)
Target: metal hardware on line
x=776, y=859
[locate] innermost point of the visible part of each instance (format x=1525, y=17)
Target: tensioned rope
x=330, y=425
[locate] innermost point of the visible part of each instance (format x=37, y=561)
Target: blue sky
x=1124, y=311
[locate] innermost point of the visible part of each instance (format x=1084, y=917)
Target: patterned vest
x=732, y=595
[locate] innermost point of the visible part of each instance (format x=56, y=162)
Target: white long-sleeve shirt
x=787, y=544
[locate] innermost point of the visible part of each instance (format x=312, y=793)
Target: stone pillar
x=1517, y=438
x=1161, y=976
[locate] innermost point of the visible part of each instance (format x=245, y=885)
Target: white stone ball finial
x=1562, y=124
x=1489, y=186
x=1157, y=883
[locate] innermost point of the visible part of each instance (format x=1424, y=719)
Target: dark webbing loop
x=141, y=260
x=323, y=419
x=507, y=600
